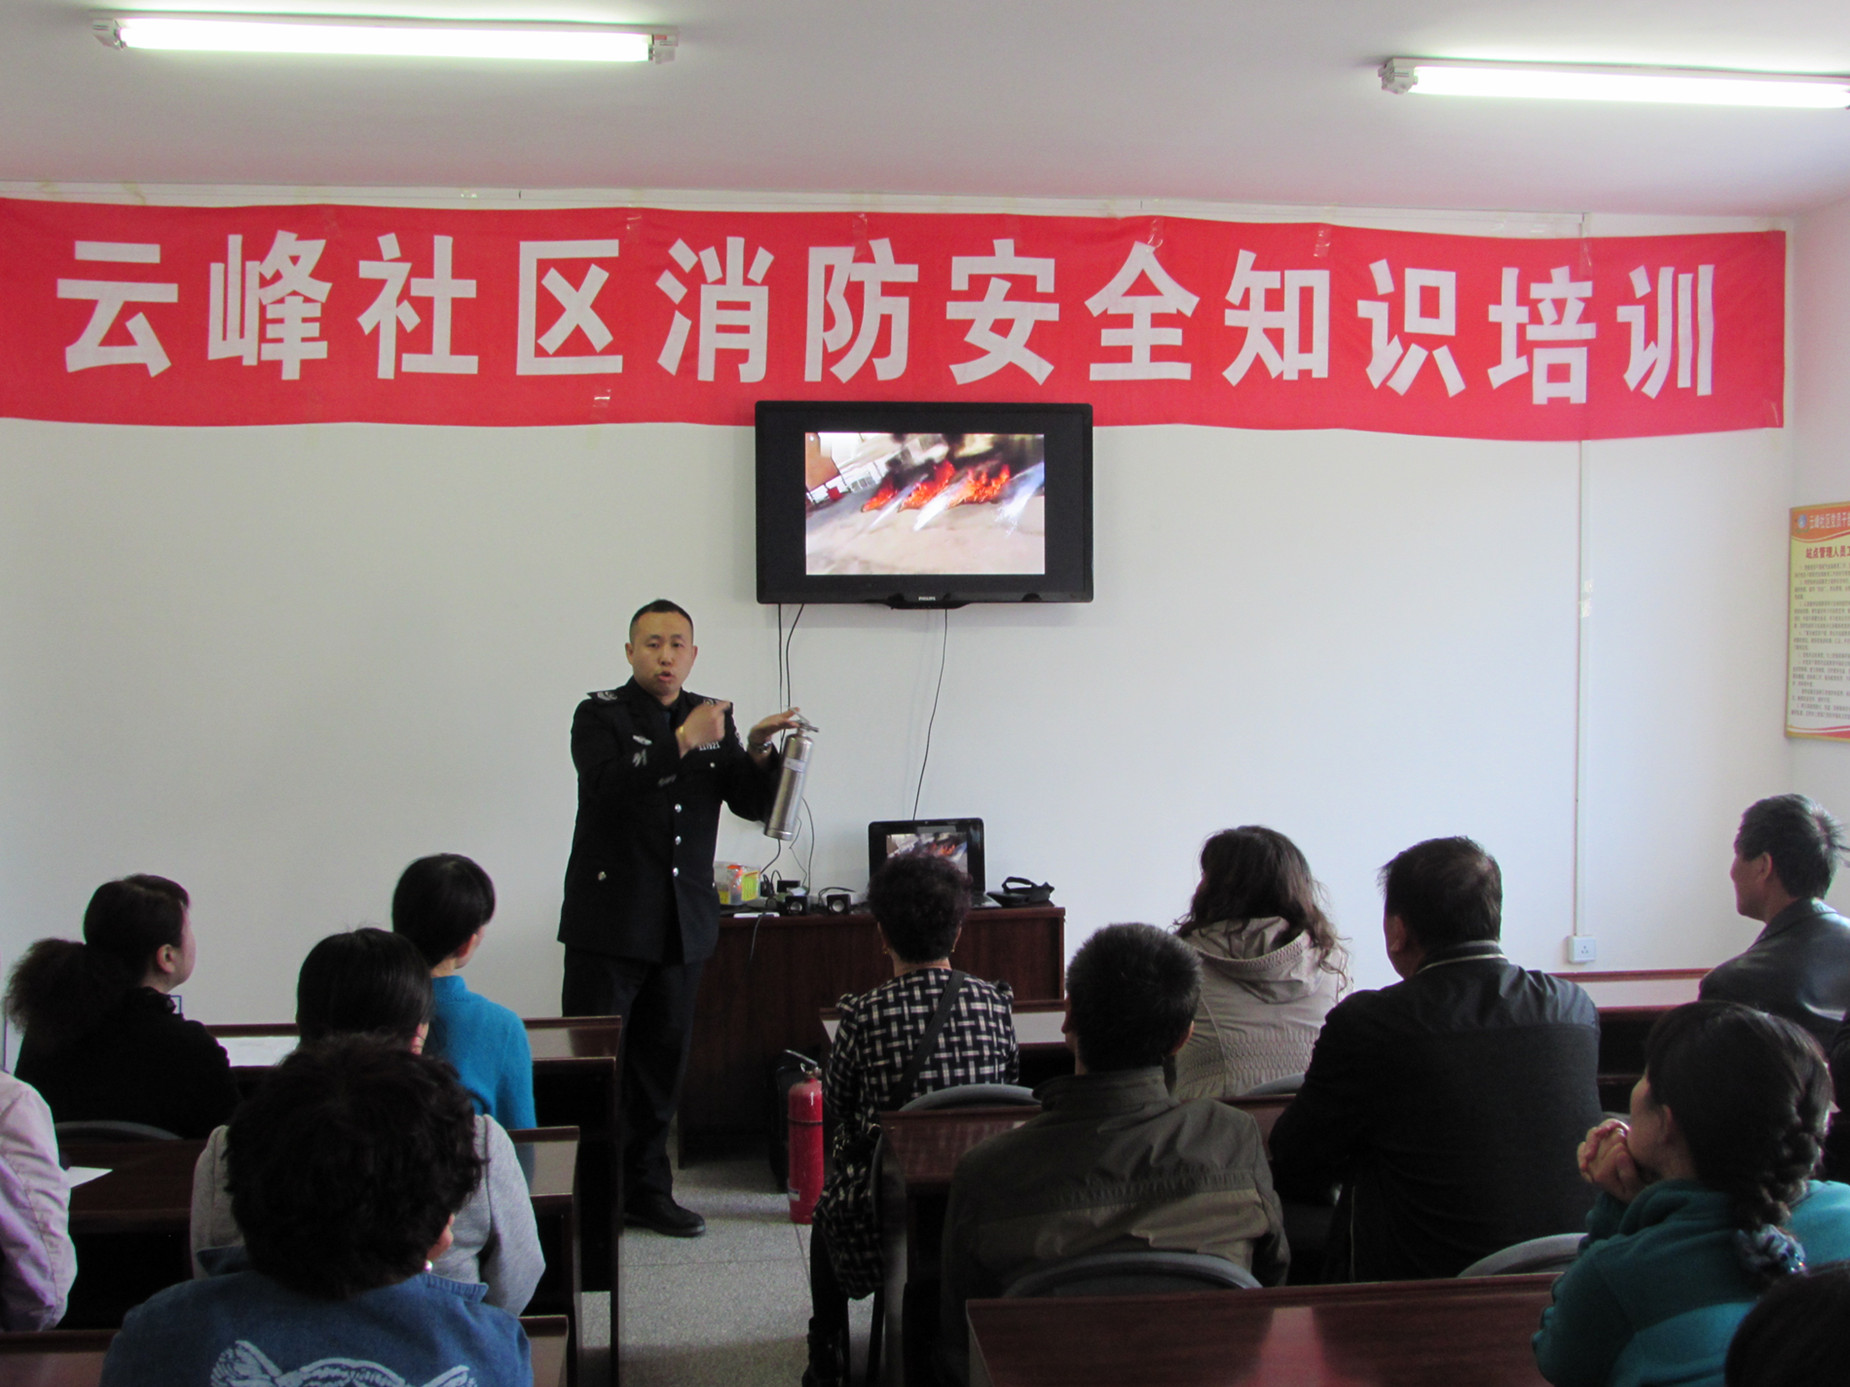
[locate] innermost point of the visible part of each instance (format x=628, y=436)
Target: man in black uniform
x=641, y=916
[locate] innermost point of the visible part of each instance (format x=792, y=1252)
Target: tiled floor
x=728, y=1309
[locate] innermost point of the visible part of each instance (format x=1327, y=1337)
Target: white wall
x=1821, y=443
x=277, y=664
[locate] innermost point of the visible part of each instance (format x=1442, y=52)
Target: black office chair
x=956, y=1096
x=101, y=1129
x=1278, y=1088
x=974, y=1096
x=1143, y=1271
x=1556, y=1252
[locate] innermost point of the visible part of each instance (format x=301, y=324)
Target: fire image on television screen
x=953, y=847
x=924, y=503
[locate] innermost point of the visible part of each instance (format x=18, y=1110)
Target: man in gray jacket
x=1114, y=1162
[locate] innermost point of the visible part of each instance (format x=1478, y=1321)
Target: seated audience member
x=1797, y=1335
x=1799, y=967
x=881, y=1059
x=37, y=1261
x=1115, y=1162
x=1448, y=1106
x=1705, y=1200
x=371, y=983
x=347, y=1166
x=1271, y=965
x=443, y=905
x=103, y=1040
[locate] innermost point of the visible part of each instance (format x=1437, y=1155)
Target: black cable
x=809, y=863
x=944, y=650
x=790, y=684
x=780, y=656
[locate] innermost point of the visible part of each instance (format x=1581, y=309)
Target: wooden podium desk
x=772, y=974
x=1629, y=1004
x=1453, y=1333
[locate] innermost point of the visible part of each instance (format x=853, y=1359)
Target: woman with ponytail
x=1706, y=1199
x=103, y=1040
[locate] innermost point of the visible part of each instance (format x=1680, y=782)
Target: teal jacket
x=1657, y=1291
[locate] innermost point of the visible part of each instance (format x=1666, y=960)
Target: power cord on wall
x=944, y=649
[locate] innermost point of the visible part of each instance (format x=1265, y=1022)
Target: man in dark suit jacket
x=641, y=916
x=1785, y=856
x=1450, y=1105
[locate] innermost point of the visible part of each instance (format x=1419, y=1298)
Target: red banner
x=287, y=315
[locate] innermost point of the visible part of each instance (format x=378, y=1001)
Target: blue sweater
x=244, y=1327
x=1657, y=1292
x=488, y=1045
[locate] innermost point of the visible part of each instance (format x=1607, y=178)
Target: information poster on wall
x=1818, y=624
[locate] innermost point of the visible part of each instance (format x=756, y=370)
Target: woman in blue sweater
x=1706, y=1199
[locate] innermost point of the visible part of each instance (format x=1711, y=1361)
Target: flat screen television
x=959, y=841
x=924, y=505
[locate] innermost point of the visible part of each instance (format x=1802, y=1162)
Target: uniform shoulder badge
x=603, y=695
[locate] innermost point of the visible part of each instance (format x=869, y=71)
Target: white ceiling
x=1265, y=101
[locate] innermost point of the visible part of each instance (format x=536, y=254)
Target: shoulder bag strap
x=928, y=1041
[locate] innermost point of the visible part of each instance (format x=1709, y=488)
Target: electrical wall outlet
x=1582, y=948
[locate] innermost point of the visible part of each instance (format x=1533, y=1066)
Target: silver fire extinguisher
x=782, y=824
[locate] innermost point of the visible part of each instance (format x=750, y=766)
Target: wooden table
x=771, y=974
x=147, y=1196
x=576, y=1083
x=1387, y=1334
x=74, y=1358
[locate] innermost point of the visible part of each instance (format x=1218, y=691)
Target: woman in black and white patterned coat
x=919, y=901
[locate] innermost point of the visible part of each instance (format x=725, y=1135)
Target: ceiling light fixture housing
x=348, y=36
x=1687, y=86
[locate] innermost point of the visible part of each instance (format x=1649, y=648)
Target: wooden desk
x=148, y=1195
x=921, y=1154
x=575, y=1084
x=74, y=1358
x=1459, y=1333
x=770, y=975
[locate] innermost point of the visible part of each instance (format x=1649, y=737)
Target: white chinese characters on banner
x=1559, y=301
x=1691, y=332
x=388, y=312
x=1142, y=336
x=1288, y=355
x=292, y=303
x=577, y=310
x=999, y=350
x=110, y=295
x=832, y=321
x=735, y=309
x=442, y=288
x=232, y=320
x=1397, y=364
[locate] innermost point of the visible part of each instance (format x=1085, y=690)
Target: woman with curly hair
x=1271, y=964
x=1706, y=1198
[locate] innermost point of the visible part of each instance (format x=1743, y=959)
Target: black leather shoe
x=661, y=1214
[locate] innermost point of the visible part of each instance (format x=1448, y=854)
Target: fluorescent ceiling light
x=393, y=38
x=1590, y=82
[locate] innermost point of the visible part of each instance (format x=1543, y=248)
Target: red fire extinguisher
x=805, y=1126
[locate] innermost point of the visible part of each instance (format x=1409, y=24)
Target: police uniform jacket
x=640, y=880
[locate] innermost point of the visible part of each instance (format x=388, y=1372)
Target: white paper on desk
x=257, y=1051
x=83, y=1174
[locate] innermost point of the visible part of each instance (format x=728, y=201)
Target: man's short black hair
x=1805, y=841
x=1131, y=990
x=346, y=1164
x=661, y=606
x=440, y=902
x=1445, y=891
x=920, y=900
x=364, y=982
